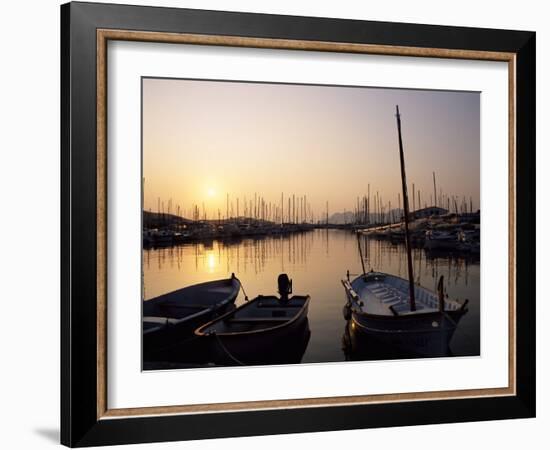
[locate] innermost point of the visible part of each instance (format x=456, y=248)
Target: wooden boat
x=259, y=327
x=397, y=312
x=379, y=306
x=177, y=314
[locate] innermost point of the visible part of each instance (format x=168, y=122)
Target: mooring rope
x=224, y=348
x=242, y=287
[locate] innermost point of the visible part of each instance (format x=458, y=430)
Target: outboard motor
x=285, y=286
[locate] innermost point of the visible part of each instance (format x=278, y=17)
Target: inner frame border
x=104, y=35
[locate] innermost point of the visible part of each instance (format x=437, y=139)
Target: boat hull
x=428, y=336
x=283, y=344
x=279, y=348
x=162, y=342
x=422, y=334
x=172, y=318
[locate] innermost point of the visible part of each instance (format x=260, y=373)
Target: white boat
x=396, y=312
x=379, y=307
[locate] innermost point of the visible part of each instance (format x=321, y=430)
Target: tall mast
x=282, y=210
x=406, y=208
x=368, y=204
x=435, y=191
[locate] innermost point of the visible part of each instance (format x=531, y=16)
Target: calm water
x=317, y=262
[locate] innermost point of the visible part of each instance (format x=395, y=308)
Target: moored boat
x=159, y=238
x=177, y=314
x=379, y=307
x=469, y=241
x=441, y=240
x=263, y=326
x=396, y=312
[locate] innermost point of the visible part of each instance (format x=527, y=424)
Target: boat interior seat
x=388, y=295
x=393, y=300
x=159, y=320
x=404, y=308
x=378, y=289
x=288, y=305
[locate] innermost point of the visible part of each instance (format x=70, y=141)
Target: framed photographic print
x=276, y=224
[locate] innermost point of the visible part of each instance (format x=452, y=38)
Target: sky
x=205, y=139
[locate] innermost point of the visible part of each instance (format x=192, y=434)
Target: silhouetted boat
x=469, y=241
x=258, y=328
x=177, y=314
x=378, y=306
x=441, y=240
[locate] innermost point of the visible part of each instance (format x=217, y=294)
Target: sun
x=211, y=192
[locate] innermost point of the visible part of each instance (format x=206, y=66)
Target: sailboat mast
x=406, y=208
x=435, y=191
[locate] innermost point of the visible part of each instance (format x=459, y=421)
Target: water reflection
x=317, y=261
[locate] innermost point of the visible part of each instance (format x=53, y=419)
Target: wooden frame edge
x=101, y=224
x=305, y=403
x=512, y=198
x=103, y=35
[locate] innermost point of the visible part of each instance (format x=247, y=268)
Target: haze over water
x=317, y=262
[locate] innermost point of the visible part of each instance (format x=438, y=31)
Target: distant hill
x=153, y=219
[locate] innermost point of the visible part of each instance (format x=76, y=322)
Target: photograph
x=300, y=223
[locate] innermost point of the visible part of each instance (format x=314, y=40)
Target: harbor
x=317, y=262
x=295, y=256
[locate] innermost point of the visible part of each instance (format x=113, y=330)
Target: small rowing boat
x=176, y=314
x=260, y=327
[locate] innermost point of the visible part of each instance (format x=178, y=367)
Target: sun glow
x=211, y=261
x=211, y=192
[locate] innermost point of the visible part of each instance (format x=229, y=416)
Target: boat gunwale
x=199, y=331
